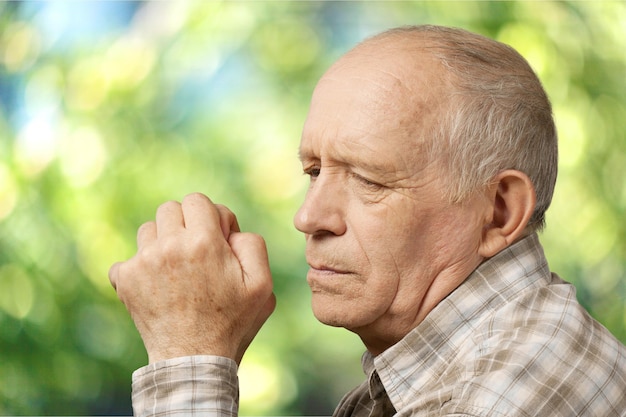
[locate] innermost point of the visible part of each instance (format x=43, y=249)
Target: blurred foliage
x=108, y=109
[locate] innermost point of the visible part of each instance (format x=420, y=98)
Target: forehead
x=377, y=97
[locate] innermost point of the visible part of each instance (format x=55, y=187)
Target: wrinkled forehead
x=381, y=100
x=384, y=84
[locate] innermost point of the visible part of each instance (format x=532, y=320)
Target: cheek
x=407, y=250
x=387, y=259
x=375, y=255
x=398, y=247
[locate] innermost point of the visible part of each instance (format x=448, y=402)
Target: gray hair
x=499, y=116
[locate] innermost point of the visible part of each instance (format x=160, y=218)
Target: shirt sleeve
x=190, y=385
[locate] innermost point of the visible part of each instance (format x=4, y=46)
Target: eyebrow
x=302, y=155
x=370, y=165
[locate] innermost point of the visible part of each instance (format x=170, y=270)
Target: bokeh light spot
x=8, y=191
x=572, y=136
x=264, y=383
x=20, y=46
x=17, y=294
x=87, y=84
x=99, y=333
x=287, y=46
x=129, y=61
x=99, y=247
x=35, y=146
x=82, y=156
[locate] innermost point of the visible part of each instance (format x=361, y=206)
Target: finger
x=147, y=233
x=228, y=221
x=169, y=218
x=201, y=214
x=251, y=252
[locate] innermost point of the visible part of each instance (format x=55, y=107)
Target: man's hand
x=196, y=285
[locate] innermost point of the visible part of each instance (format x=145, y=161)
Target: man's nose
x=323, y=210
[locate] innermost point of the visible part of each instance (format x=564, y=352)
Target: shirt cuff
x=191, y=384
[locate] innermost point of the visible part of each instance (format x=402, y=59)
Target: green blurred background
x=108, y=109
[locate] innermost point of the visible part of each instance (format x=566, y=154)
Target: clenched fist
x=197, y=285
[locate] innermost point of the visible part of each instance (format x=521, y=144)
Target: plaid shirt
x=511, y=341
x=186, y=386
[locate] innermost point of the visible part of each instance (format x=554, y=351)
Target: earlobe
x=512, y=198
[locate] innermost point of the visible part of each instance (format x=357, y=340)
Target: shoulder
x=545, y=353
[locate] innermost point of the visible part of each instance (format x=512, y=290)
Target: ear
x=512, y=197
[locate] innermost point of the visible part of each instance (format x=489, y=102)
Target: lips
x=326, y=265
x=324, y=279
x=325, y=269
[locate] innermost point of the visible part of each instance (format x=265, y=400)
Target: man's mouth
x=321, y=265
x=322, y=269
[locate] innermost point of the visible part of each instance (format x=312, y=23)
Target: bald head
x=474, y=105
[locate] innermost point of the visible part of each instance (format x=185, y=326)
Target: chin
x=330, y=320
x=326, y=311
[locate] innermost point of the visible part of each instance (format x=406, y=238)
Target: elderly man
x=432, y=158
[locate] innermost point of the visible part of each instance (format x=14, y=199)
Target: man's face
x=383, y=244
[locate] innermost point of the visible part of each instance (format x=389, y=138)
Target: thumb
x=251, y=252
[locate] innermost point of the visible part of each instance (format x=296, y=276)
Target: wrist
x=178, y=350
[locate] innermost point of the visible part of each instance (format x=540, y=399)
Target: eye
x=312, y=172
x=371, y=185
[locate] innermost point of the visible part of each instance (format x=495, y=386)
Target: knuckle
x=188, y=247
x=258, y=239
x=151, y=258
x=225, y=211
x=258, y=242
x=249, y=239
x=254, y=237
x=145, y=228
x=121, y=277
x=191, y=197
x=170, y=203
x=168, y=206
x=170, y=250
x=199, y=246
